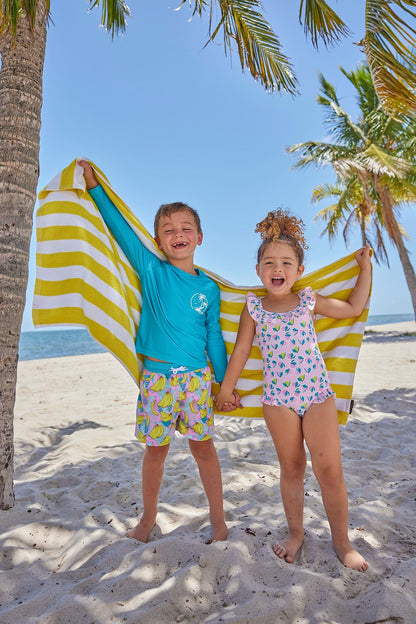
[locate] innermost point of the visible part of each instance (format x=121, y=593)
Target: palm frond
x=389, y=44
x=11, y=11
x=339, y=122
x=323, y=191
x=259, y=50
x=379, y=248
x=317, y=153
x=366, y=94
x=321, y=22
x=347, y=195
x=354, y=217
x=114, y=14
x=380, y=161
x=403, y=190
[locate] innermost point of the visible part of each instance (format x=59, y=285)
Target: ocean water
x=39, y=344
x=384, y=319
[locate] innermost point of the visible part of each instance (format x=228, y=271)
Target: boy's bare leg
x=210, y=472
x=321, y=431
x=286, y=431
x=152, y=473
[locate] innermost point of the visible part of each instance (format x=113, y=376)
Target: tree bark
x=396, y=236
x=409, y=272
x=22, y=62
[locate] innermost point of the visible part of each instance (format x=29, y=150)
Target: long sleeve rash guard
x=180, y=312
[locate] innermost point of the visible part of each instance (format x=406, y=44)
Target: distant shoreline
x=373, y=319
x=70, y=341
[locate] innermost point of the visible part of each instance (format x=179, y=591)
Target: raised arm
x=334, y=308
x=239, y=357
x=129, y=242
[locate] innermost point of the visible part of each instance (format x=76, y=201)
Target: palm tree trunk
x=408, y=270
x=21, y=73
x=363, y=228
x=396, y=236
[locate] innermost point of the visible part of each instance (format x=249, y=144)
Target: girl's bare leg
x=286, y=430
x=321, y=432
x=210, y=472
x=152, y=473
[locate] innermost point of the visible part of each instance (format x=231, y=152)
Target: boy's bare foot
x=218, y=533
x=288, y=547
x=351, y=558
x=141, y=531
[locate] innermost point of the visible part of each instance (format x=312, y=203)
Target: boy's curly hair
x=279, y=225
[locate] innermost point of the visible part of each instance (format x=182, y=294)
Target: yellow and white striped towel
x=83, y=278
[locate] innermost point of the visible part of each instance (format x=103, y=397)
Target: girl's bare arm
x=334, y=308
x=238, y=358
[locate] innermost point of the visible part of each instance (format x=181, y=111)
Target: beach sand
x=64, y=555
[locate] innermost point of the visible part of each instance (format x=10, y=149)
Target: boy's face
x=178, y=235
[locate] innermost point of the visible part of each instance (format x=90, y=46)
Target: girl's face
x=279, y=268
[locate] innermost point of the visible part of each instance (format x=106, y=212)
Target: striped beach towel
x=83, y=278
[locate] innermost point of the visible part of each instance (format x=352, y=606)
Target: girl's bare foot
x=219, y=533
x=351, y=558
x=141, y=531
x=288, y=547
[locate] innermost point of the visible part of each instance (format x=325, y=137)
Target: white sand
x=64, y=557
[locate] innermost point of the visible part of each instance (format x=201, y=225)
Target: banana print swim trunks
x=178, y=399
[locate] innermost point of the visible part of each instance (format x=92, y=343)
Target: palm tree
x=354, y=207
x=373, y=160
x=387, y=43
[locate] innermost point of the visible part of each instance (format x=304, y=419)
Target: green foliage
x=389, y=41
x=113, y=16
x=242, y=24
x=12, y=10
x=373, y=159
x=321, y=22
x=389, y=44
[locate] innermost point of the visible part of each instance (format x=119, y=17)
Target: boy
x=179, y=326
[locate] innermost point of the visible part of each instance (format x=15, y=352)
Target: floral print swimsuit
x=294, y=372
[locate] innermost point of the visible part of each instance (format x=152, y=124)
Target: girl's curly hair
x=279, y=225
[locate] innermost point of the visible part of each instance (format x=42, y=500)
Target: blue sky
x=167, y=120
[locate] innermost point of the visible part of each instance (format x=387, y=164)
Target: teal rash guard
x=180, y=312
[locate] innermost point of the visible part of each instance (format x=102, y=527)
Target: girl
x=298, y=402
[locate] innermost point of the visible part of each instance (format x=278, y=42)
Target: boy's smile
x=178, y=237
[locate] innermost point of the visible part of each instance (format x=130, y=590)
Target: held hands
x=227, y=402
x=89, y=174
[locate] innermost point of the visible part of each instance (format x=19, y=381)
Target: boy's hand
x=363, y=256
x=237, y=399
x=89, y=174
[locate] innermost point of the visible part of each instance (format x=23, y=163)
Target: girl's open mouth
x=277, y=281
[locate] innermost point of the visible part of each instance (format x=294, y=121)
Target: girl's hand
x=363, y=256
x=226, y=401
x=89, y=174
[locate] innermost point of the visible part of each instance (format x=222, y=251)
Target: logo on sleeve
x=199, y=303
